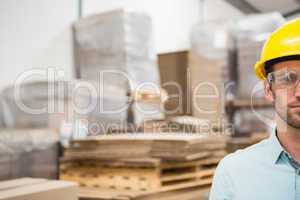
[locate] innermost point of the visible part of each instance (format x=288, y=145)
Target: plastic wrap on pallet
x=31, y=104
x=102, y=110
x=120, y=41
x=28, y=153
x=78, y=107
x=251, y=32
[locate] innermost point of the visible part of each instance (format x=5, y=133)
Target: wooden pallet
x=162, y=177
x=194, y=193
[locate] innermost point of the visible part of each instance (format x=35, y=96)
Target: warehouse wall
x=36, y=34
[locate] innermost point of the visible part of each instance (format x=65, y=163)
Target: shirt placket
x=296, y=166
x=297, y=184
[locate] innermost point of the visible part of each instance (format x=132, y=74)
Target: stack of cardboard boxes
x=208, y=72
x=115, y=49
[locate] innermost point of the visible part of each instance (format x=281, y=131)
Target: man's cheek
x=281, y=105
x=282, y=97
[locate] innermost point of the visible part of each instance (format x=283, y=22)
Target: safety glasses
x=284, y=79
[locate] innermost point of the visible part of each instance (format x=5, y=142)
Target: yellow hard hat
x=283, y=42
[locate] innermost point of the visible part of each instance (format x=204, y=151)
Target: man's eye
x=292, y=77
x=288, y=78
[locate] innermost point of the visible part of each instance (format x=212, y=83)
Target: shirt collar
x=275, y=148
x=278, y=153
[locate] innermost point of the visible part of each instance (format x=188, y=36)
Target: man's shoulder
x=244, y=156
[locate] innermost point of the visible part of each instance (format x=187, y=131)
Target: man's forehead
x=287, y=65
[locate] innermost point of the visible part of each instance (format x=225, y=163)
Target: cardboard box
x=38, y=189
x=207, y=87
x=173, y=69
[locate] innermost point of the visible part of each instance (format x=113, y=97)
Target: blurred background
x=79, y=78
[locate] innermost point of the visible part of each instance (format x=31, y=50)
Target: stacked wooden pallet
x=196, y=193
x=143, y=163
x=147, y=176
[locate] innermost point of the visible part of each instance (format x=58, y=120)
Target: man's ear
x=269, y=95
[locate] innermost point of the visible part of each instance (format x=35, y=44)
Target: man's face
x=284, y=91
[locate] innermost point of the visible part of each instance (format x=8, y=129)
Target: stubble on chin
x=293, y=119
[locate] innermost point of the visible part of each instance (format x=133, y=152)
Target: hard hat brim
x=260, y=65
x=260, y=70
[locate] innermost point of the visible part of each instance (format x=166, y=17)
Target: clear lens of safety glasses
x=284, y=78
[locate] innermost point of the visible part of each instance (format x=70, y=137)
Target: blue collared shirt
x=263, y=171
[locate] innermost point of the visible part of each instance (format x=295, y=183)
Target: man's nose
x=297, y=90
